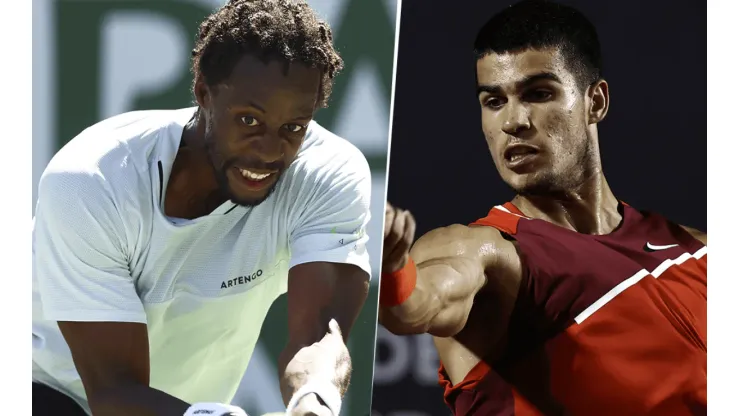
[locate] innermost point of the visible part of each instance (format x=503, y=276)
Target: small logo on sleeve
x=241, y=280
x=355, y=236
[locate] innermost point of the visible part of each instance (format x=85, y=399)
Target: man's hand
x=322, y=363
x=398, y=235
x=320, y=360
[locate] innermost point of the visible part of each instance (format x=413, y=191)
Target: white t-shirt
x=105, y=251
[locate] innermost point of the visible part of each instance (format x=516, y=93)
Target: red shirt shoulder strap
x=504, y=218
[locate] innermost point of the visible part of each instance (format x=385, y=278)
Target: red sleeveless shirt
x=603, y=324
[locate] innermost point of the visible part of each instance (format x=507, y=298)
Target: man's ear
x=598, y=101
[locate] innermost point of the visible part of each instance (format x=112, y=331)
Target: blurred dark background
x=653, y=141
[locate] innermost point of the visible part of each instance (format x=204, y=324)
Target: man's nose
x=269, y=148
x=516, y=119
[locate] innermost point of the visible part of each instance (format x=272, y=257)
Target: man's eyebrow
x=491, y=89
x=542, y=76
x=247, y=104
x=523, y=83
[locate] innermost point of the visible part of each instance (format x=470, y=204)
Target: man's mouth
x=255, y=175
x=518, y=151
x=517, y=157
x=255, y=179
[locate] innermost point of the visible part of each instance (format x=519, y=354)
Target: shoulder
x=329, y=174
x=699, y=235
x=658, y=218
x=328, y=182
x=325, y=158
x=76, y=210
x=71, y=182
x=484, y=246
x=455, y=240
x=112, y=154
x=74, y=199
x=115, y=142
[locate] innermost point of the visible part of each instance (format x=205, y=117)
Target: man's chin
x=532, y=184
x=236, y=192
x=252, y=200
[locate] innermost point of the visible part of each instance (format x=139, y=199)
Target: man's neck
x=590, y=209
x=192, y=190
x=194, y=132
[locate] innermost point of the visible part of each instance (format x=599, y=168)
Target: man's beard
x=220, y=173
x=558, y=185
x=225, y=189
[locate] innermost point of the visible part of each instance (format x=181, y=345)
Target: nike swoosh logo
x=651, y=247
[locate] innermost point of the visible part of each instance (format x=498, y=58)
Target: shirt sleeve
x=80, y=261
x=333, y=225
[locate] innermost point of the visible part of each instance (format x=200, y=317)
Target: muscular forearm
x=415, y=315
x=135, y=399
x=315, y=363
x=441, y=300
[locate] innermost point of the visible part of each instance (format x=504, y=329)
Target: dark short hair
x=540, y=24
x=271, y=29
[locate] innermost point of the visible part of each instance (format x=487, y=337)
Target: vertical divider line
x=387, y=178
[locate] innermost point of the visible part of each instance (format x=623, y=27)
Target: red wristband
x=397, y=286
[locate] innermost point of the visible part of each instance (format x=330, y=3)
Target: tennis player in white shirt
x=161, y=238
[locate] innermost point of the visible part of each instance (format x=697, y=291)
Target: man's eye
x=539, y=95
x=293, y=128
x=249, y=121
x=494, y=102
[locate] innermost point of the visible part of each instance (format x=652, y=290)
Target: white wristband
x=214, y=409
x=327, y=391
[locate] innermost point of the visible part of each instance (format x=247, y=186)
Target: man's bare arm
x=112, y=359
x=450, y=266
x=324, y=300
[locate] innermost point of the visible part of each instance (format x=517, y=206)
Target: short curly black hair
x=282, y=29
x=538, y=24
